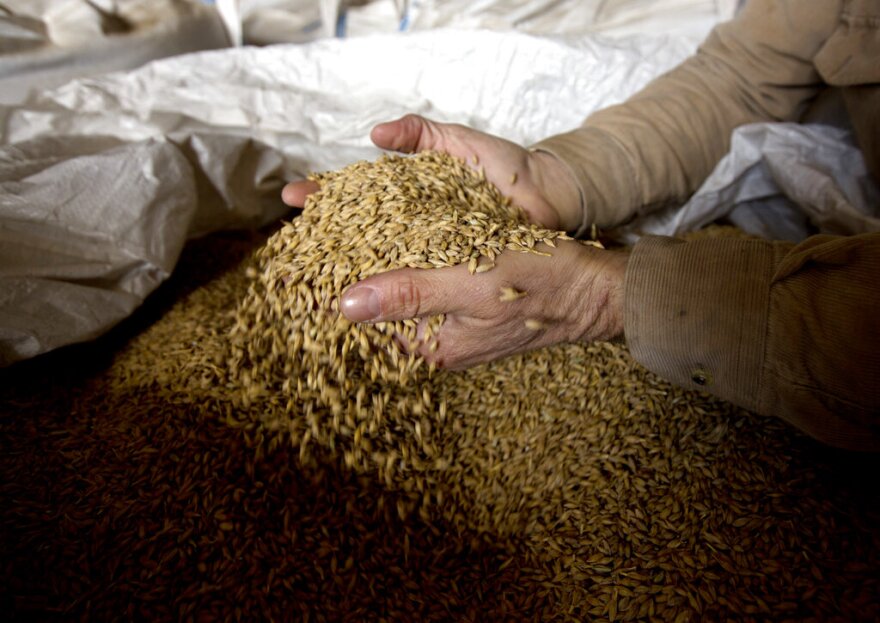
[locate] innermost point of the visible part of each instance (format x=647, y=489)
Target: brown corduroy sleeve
x=784, y=330
x=656, y=148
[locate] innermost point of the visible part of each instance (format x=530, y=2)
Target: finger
x=408, y=134
x=419, y=344
x=404, y=293
x=295, y=193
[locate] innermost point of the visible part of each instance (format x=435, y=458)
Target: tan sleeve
x=786, y=330
x=656, y=149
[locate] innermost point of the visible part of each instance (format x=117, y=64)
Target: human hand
x=536, y=181
x=575, y=295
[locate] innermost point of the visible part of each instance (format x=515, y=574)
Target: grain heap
x=125, y=493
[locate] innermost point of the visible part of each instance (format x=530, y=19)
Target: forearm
x=783, y=330
x=657, y=148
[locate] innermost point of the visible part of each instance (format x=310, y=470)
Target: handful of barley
x=425, y=211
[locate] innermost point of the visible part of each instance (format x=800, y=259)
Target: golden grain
x=509, y=293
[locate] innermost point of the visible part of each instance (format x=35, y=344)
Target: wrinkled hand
x=536, y=181
x=574, y=296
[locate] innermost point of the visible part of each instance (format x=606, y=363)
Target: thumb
x=408, y=134
x=295, y=193
x=402, y=294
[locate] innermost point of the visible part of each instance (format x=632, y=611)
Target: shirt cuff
x=696, y=313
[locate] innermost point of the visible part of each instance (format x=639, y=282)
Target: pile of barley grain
x=568, y=484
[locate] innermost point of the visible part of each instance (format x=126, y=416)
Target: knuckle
x=406, y=296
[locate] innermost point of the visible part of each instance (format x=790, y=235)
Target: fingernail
x=360, y=303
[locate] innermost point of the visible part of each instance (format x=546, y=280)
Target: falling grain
x=509, y=293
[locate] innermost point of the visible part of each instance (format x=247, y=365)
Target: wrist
x=559, y=187
x=602, y=296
